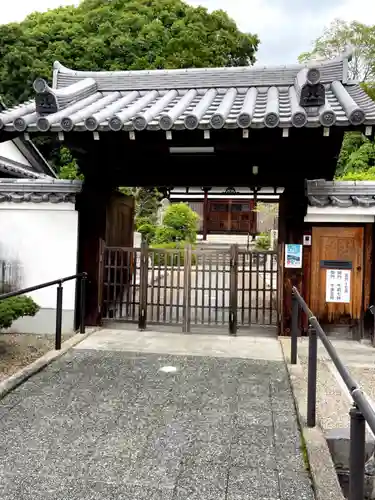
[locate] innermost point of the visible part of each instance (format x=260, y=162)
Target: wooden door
x=336, y=244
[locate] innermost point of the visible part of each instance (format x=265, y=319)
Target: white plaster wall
x=43, y=238
x=9, y=150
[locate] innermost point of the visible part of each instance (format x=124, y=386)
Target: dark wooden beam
x=205, y=214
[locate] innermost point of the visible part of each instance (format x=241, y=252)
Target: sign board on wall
x=338, y=286
x=293, y=256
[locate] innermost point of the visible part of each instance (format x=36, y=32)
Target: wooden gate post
x=187, y=290
x=143, y=286
x=233, y=290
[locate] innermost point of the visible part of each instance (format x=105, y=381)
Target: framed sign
x=293, y=256
x=338, y=286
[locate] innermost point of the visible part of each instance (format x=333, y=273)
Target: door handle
x=359, y=268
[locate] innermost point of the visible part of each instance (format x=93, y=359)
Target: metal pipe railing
x=59, y=301
x=360, y=413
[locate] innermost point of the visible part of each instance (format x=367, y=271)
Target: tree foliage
x=341, y=35
x=180, y=224
x=118, y=35
x=357, y=158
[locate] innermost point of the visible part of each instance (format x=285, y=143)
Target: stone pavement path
x=102, y=424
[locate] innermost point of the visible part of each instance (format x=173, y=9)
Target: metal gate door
x=189, y=288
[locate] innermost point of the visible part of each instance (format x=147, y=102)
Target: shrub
x=180, y=223
x=147, y=229
x=14, y=308
x=170, y=258
x=263, y=242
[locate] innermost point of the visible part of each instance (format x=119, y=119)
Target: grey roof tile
x=342, y=194
x=249, y=97
x=10, y=167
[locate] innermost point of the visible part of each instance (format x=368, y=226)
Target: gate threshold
x=255, y=330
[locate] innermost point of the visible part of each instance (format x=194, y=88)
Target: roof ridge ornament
x=49, y=100
x=310, y=91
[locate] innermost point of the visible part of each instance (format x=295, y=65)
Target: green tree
x=118, y=34
x=341, y=35
x=180, y=224
x=357, y=158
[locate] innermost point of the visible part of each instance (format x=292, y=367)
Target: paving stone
x=253, y=484
x=260, y=455
x=195, y=482
x=248, y=434
x=289, y=458
x=58, y=488
x=202, y=453
x=293, y=485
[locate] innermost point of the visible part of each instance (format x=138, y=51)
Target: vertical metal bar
x=143, y=285
x=233, y=290
x=59, y=306
x=187, y=290
x=311, y=378
x=357, y=455
x=82, y=328
x=294, y=339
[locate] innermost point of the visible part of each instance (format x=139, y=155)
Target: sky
x=285, y=27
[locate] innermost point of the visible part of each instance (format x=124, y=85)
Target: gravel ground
x=19, y=350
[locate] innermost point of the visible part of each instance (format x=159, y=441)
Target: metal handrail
x=59, y=301
x=360, y=413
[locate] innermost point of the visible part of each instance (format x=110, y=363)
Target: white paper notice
x=338, y=286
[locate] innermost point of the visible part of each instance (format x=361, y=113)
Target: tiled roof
x=33, y=156
x=248, y=97
x=16, y=170
x=39, y=190
x=342, y=194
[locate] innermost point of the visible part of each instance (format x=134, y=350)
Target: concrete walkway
x=130, y=415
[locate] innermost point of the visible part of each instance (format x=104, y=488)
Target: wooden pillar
x=92, y=208
x=205, y=214
x=292, y=211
